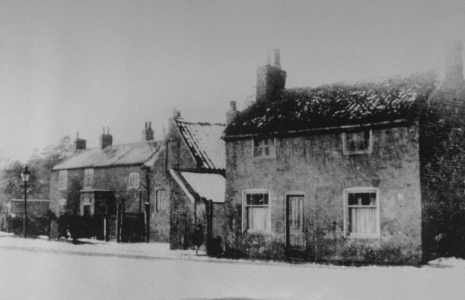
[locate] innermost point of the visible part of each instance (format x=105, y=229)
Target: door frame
x=287, y=195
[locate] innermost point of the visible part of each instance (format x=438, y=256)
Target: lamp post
x=25, y=176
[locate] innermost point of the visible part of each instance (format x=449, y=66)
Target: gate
x=131, y=227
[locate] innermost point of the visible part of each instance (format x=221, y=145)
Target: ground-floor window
x=256, y=216
x=361, y=213
x=161, y=201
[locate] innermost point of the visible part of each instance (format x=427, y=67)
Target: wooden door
x=295, y=237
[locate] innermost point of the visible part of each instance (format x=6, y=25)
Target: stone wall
x=316, y=167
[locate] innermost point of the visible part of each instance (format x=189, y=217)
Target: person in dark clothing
x=197, y=237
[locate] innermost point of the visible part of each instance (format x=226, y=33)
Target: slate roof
x=201, y=185
x=205, y=143
x=305, y=109
x=117, y=155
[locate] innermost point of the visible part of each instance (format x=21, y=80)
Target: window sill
x=258, y=232
x=363, y=236
x=356, y=153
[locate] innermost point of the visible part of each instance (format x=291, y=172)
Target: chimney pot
x=232, y=113
x=277, y=58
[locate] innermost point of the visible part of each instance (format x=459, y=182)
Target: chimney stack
x=231, y=113
x=454, y=62
x=147, y=132
x=79, y=144
x=106, y=140
x=270, y=79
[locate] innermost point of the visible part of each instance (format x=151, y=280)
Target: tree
x=39, y=165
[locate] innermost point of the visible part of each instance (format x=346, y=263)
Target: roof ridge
x=199, y=123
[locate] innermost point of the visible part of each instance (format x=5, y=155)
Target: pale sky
x=77, y=66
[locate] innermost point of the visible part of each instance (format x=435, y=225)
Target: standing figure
x=197, y=237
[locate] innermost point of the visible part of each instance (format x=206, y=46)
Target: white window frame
x=244, y=210
x=346, y=213
x=62, y=180
x=271, y=147
x=370, y=142
x=134, y=180
x=158, y=204
x=88, y=178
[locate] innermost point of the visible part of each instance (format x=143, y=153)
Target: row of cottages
x=372, y=171
x=93, y=181
x=195, y=161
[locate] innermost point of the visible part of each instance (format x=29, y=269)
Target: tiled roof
x=336, y=105
x=117, y=155
x=201, y=185
x=205, y=143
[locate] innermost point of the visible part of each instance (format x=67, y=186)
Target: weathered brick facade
x=316, y=167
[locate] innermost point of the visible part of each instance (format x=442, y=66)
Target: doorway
x=295, y=235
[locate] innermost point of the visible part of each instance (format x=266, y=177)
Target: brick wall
x=117, y=179
x=182, y=214
x=160, y=215
x=315, y=166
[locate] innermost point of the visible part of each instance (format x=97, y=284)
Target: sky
x=78, y=66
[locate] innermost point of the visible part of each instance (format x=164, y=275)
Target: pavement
x=92, y=247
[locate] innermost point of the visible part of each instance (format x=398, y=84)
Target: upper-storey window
x=133, y=181
x=62, y=180
x=264, y=147
x=361, y=213
x=357, y=142
x=88, y=178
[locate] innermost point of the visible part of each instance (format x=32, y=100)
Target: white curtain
x=363, y=220
x=257, y=218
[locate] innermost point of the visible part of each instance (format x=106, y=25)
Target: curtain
x=257, y=218
x=363, y=220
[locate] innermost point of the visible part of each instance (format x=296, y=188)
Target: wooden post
x=209, y=211
x=118, y=223
x=147, y=224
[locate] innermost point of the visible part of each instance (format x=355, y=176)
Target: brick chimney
x=79, y=144
x=105, y=139
x=454, y=62
x=147, y=132
x=270, y=79
x=231, y=113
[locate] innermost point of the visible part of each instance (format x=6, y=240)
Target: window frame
x=346, y=206
x=62, y=180
x=272, y=147
x=245, y=219
x=132, y=180
x=158, y=204
x=88, y=173
x=345, y=151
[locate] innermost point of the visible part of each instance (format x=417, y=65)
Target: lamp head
x=26, y=174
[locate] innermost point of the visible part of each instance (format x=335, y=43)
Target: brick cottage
x=93, y=181
x=368, y=172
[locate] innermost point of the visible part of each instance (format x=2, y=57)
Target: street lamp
x=25, y=176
